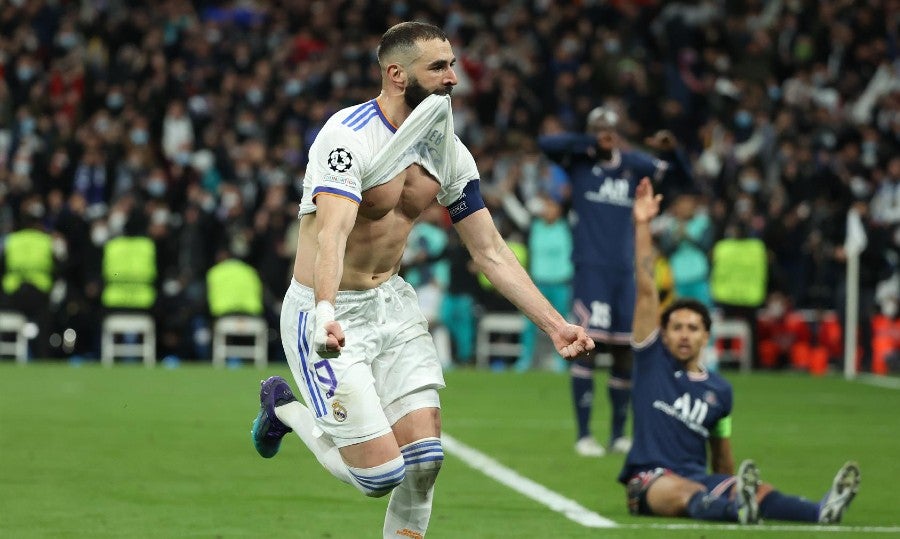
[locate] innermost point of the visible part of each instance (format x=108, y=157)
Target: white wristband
x=324, y=312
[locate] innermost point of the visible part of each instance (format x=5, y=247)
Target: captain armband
x=722, y=428
x=468, y=203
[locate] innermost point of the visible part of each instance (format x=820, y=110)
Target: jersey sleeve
x=561, y=146
x=465, y=170
x=337, y=163
x=652, y=167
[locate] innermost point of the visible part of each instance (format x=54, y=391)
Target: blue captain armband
x=468, y=202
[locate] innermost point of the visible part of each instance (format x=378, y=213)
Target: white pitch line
x=768, y=528
x=879, y=381
x=580, y=514
x=537, y=492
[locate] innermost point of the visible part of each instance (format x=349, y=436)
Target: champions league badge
x=340, y=160
x=340, y=413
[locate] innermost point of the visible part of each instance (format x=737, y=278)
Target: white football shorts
x=387, y=368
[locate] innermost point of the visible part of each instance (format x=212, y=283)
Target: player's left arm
x=721, y=457
x=492, y=255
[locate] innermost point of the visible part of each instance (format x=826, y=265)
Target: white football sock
x=298, y=417
x=409, y=509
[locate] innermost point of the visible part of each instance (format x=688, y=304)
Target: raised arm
x=646, y=306
x=492, y=256
x=559, y=147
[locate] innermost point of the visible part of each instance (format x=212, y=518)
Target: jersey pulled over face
x=342, y=164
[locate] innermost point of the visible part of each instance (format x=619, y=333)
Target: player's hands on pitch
x=572, y=342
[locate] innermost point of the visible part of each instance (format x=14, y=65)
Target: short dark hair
x=689, y=304
x=405, y=35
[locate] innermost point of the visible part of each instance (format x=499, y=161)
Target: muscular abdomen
x=376, y=243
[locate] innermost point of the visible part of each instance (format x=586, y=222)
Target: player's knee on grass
x=636, y=490
x=377, y=481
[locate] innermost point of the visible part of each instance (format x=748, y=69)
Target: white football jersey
x=342, y=159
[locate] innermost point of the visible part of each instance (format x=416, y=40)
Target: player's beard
x=604, y=154
x=605, y=148
x=416, y=93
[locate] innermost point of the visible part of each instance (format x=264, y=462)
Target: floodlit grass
x=131, y=452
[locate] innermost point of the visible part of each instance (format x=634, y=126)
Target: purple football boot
x=267, y=430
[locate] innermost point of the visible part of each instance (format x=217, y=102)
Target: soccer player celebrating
x=679, y=407
x=355, y=338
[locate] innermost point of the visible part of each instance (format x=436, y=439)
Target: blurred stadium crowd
x=189, y=122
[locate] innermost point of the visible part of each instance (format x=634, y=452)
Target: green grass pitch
x=131, y=452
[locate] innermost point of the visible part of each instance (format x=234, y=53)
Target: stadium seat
x=800, y=354
x=240, y=326
x=885, y=341
x=818, y=360
x=830, y=334
x=736, y=330
x=797, y=323
x=492, y=324
x=769, y=353
x=13, y=324
x=127, y=324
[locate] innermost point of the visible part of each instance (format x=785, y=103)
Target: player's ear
x=397, y=74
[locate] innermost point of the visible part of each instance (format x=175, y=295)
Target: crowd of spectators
x=194, y=118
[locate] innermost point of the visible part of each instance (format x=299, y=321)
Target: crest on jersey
x=710, y=398
x=340, y=160
x=340, y=413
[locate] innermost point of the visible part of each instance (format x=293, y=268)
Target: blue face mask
x=293, y=87
x=27, y=125
x=254, y=96
x=67, y=40
x=115, y=101
x=749, y=184
x=743, y=119
x=182, y=158
x=25, y=73
x=156, y=188
x=138, y=137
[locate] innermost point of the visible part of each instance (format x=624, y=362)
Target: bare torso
x=376, y=243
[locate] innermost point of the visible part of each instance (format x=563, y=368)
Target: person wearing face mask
x=603, y=174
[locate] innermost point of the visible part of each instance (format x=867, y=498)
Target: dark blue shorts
x=603, y=302
x=637, y=486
